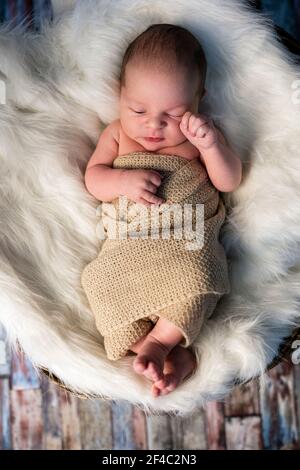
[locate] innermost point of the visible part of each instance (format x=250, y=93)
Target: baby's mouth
x=154, y=139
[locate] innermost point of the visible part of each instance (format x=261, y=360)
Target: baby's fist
x=199, y=130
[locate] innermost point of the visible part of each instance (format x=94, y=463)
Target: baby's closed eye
x=167, y=114
x=177, y=117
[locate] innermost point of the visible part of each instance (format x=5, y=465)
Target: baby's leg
x=153, y=349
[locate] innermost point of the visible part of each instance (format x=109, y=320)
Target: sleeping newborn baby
x=162, y=82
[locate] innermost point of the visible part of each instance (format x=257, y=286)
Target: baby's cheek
x=175, y=123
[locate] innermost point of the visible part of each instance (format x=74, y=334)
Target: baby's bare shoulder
x=107, y=147
x=114, y=127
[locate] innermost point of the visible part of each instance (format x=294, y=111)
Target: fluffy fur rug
x=61, y=90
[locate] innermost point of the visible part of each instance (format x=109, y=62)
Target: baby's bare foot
x=179, y=364
x=151, y=358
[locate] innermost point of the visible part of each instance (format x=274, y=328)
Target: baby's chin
x=158, y=145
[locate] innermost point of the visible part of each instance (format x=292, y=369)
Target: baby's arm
x=101, y=180
x=106, y=183
x=223, y=166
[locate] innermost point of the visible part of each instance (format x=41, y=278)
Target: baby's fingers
x=144, y=202
x=155, y=177
x=150, y=198
x=202, y=131
x=185, y=120
x=151, y=187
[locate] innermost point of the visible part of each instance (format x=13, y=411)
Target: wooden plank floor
x=37, y=414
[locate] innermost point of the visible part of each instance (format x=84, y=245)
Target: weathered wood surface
x=215, y=426
x=37, y=414
x=278, y=408
x=243, y=433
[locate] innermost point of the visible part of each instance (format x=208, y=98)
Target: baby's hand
x=199, y=130
x=141, y=185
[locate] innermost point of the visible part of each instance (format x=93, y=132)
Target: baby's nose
x=156, y=123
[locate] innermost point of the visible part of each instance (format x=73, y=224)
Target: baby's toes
x=170, y=383
x=166, y=385
x=154, y=371
x=160, y=383
x=140, y=364
x=155, y=391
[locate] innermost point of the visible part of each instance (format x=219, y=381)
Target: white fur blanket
x=61, y=90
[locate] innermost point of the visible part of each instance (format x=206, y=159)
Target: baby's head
x=162, y=77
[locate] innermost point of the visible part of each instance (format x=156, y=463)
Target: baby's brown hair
x=167, y=46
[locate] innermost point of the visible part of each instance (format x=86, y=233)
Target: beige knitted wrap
x=140, y=275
